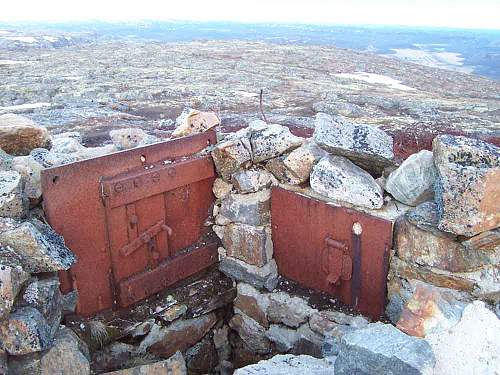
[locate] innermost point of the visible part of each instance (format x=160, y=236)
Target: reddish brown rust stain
x=96, y=226
x=301, y=225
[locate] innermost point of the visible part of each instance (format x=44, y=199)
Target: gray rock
x=43, y=294
x=24, y=332
x=75, y=135
x=308, y=342
x=284, y=338
x=174, y=365
x=30, y=169
x=124, y=139
x=355, y=321
x=232, y=154
x=259, y=277
x=251, y=332
x=248, y=243
x=339, y=179
x=288, y=364
x=35, y=246
x=192, y=121
x=251, y=209
x=13, y=201
x=66, y=145
x=291, y=311
x=52, y=159
x=19, y=135
x=271, y=141
x=413, y=182
x=221, y=188
x=383, y=349
x=369, y=147
x=11, y=281
x=252, y=181
x=5, y=161
x=468, y=184
x=252, y=303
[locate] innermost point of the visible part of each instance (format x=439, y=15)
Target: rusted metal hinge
x=336, y=261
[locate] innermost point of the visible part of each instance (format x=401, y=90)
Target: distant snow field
x=435, y=59
x=375, y=79
x=24, y=39
x=14, y=62
x=23, y=107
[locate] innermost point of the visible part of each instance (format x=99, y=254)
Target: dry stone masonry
x=242, y=317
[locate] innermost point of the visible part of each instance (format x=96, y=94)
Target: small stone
x=11, y=281
x=95, y=152
x=175, y=365
x=24, y=332
x=252, y=181
x=271, y=141
x=339, y=179
x=202, y=357
x=383, y=349
x=468, y=184
x=291, y=311
x=69, y=301
x=399, y=292
x=471, y=346
x=13, y=201
x=343, y=319
x=486, y=242
x=259, y=277
x=251, y=209
x=413, y=182
x=251, y=332
x=173, y=313
x=221, y=188
x=232, y=154
x=36, y=245
x=430, y=310
x=66, y=145
x=192, y=121
x=288, y=364
x=309, y=342
x=300, y=161
x=114, y=356
x=124, y=139
x=367, y=146
x=219, y=230
x=252, y=303
x=52, y=159
x=30, y=169
x=19, y=135
x=248, y=243
x=284, y=338
x=180, y=335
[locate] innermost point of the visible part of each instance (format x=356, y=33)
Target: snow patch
x=14, y=62
x=436, y=59
x=50, y=39
x=246, y=94
x=24, y=39
x=24, y=106
x=375, y=79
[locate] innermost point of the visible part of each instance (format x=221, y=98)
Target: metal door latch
x=146, y=238
x=336, y=262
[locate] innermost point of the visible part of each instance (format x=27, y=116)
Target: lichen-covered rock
x=283, y=338
x=288, y=310
x=369, y=147
x=383, y=349
x=471, y=346
x=180, y=335
x=253, y=303
x=259, y=277
x=13, y=201
x=124, y=139
x=24, y=332
x=271, y=141
x=468, y=184
x=434, y=248
x=399, y=291
x=252, y=181
x=75, y=135
x=30, y=169
x=288, y=364
x=35, y=246
x=232, y=154
x=339, y=179
x=429, y=310
x=43, y=294
x=53, y=159
x=248, y=243
x=251, y=332
x=413, y=182
x=251, y=209
x=221, y=188
x=192, y=121
x=19, y=135
x=66, y=145
x=11, y=282
x=175, y=365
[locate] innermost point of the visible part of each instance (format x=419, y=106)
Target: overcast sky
x=448, y=13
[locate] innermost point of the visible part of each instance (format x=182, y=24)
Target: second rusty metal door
x=336, y=250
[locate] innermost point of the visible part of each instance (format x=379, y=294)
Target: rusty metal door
x=337, y=250
x=135, y=219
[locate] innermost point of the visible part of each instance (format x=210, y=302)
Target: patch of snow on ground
x=50, y=39
x=22, y=107
x=14, y=62
x=435, y=59
x=4, y=32
x=375, y=79
x=246, y=94
x=24, y=39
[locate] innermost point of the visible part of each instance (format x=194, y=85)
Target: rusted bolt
x=156, y=177
x=171, y=172
x=133, y=220
x=357, y=229
x=118, y=187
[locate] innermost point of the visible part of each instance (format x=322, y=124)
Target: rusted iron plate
x=336, y=250
x=73, y=204
x=142, y=285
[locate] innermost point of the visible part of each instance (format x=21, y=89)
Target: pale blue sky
x=448, y=13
